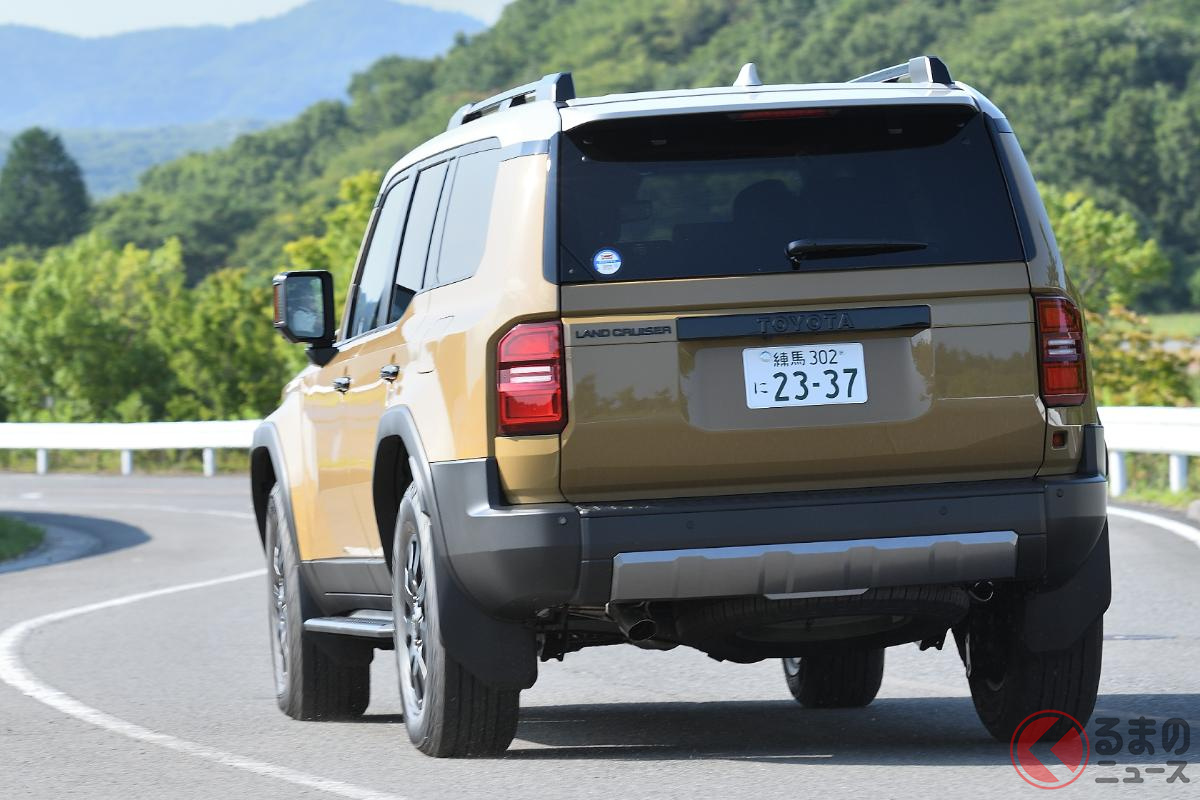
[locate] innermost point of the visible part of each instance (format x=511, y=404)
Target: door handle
x=341, y=384
x=390, y=372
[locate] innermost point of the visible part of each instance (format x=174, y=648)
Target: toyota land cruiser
x=786, y=372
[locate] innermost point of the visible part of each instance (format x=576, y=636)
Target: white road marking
x=16, y=675
x=1189, y=532
x=61, y=503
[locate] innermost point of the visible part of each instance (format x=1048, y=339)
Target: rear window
x=727, y=194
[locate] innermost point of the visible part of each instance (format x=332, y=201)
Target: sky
x=104, y=17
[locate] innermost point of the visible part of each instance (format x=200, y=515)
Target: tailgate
x=946, y=387
x=792, y=299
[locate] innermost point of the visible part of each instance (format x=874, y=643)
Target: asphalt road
x=167, y=693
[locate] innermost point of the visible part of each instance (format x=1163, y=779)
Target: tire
x=1009, y=682
x=845, y=679
x=312, y=682
x=448, y=711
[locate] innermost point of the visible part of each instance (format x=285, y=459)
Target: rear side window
x=470, y=208
x=726, y=194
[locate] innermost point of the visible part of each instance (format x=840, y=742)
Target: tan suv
x=780, y=372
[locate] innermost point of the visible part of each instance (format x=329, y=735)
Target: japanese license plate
x=812, y=375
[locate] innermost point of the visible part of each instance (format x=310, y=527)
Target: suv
x=780, y=372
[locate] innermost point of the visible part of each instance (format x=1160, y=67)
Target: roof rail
x=922, y=69
x=557, y=87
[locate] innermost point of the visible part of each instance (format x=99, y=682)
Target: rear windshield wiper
x=802, y=249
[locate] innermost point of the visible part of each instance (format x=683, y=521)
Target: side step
x=365, y=624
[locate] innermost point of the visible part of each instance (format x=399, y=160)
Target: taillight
x=782, y=113
x=529, y=382
x=1060, y=351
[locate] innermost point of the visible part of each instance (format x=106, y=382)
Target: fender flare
x=398, y=452
x=267, y=468
x=503, y=654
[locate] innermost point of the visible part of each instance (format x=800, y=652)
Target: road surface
x=167, y=692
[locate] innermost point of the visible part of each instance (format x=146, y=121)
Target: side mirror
x=304, y=311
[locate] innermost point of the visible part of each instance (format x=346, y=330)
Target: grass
x=1184, y=325
x=1148, y=482
x=1157, y=496
x=17, y=537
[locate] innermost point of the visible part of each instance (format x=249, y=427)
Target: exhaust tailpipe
x=982, y=591
x=634, y=621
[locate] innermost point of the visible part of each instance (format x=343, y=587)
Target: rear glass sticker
x=606, y=261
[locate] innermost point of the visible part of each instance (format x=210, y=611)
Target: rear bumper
x=516, y=560
x=813, y=568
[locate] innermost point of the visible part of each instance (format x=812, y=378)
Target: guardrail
x=127, y=437
x=1173, y=432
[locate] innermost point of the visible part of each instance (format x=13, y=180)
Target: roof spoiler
x=557, y=87
x=922, y=69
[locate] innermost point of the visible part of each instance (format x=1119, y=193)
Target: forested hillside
x=1105, y=95
x=112, y=160
x=171, y=281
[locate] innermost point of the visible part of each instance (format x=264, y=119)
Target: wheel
x=844, y=679
x=311, y=681
x=447, y=710
x=1009, y=682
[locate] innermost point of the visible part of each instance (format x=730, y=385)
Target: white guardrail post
x=1177, y=471
x=128, y=438
x=1116, y=473
x=1173, y=432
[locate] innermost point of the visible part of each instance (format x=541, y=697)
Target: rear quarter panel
x=449, y=391
x=1048, y=276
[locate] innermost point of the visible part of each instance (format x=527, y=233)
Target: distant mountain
x=265, y=70
x=111, y=160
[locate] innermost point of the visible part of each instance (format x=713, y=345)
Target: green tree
x=93, y=322
x=113, y=334
x=387, y=94
x=43, y=200
x=227, y=360
x=1109, y=261
x=1130, y=366
x=212, y=202
x=337, y=247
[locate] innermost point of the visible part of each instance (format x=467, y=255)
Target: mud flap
x=501, y=654
x=1056, y=618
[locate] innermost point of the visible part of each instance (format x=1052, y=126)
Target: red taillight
x=529, y=380
x=1060, y=351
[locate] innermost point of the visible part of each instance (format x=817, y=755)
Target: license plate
x=812, y=375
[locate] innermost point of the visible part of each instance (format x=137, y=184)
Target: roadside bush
x=1130, y=366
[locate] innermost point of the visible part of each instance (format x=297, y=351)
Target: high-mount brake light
x=1060, y=352
x=530, y=371
x=781, y=113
